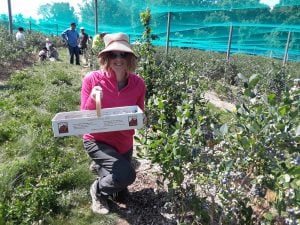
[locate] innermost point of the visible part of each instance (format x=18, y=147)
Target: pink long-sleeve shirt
x=132, y=94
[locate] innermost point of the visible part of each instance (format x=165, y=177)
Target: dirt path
x=213, y=98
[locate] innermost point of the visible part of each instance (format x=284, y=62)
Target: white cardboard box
x=87, y=121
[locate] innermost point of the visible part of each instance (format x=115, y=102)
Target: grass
x=83, y=216
x=225, y=116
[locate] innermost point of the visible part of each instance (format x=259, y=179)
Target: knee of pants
x=123, y=174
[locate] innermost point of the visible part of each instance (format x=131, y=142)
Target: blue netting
x=200, y=24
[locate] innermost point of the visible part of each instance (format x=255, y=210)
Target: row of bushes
x=242, y=171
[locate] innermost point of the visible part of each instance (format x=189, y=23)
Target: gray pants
x=115, y=170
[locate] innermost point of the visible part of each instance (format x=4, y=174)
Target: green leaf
x=283, y=110
x=224, y=129
x=252, y=95
x=286, y=178
x=272, y=99
x=268, y=216
x=161, y=105
x=176, y=168
x=253, y=80
x=247, y=92
x=295, y=170
x=226, y=165
x=245, y=142
x=298, y=130
x=242, y=77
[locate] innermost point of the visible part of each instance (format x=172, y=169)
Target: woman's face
x=118, y=61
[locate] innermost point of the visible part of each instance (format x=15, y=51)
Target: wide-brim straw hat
x=117, y=42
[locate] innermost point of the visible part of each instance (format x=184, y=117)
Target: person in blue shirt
x=71, y=37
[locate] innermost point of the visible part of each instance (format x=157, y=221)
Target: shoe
x=94, y=167
x=121, y=196
x=99, y=204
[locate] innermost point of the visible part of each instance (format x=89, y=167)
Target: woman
x=20, y=37
x=112, y=151
x=53, y=53
x=43, y=54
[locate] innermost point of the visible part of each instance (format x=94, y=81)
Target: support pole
x=286, y=49
x=9, y=17
x=57, y=30
x=168, y=33
x=229, y=43
x=96, y=17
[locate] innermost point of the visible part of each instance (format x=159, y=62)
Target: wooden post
x=168, y=33
x=96, y=16
x=9, y=17
x=57, y=30
x=229, y=43
x=286, y=49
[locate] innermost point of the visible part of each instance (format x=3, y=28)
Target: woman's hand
x=96, y=90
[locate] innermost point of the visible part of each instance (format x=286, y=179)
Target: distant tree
x=286, y=14
x=60, y=12
x=289, y=2
x=4, y=20
x=110, y=13
x=290, y=17
x=87, y=11
x=19, y=18
x=44, y=11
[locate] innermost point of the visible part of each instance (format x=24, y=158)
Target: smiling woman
x=112, y=151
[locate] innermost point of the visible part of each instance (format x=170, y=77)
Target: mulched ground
x=147, y=200
x=7, y=68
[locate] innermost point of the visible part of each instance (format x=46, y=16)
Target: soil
x=146, y=203
x=9, y=67
x=213, y=98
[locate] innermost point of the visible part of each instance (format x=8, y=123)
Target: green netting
x=200, y=24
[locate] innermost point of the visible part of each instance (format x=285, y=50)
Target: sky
x=29, y=7
x=271, y=3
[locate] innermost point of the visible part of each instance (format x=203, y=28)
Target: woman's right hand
x=96, y=90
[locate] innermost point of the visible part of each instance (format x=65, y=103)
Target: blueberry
x=296, y=161
x=194, y=152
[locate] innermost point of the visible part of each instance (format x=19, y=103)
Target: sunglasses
x=114, y=55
